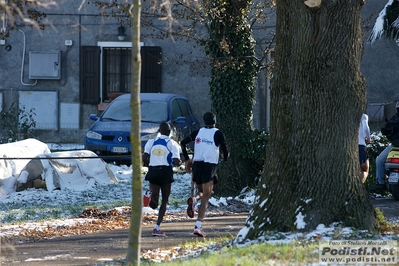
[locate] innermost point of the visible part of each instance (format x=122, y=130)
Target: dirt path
x=93, y=249
x=97, y=247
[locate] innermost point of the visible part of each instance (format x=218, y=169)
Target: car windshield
x=151, y=111
x=154, y=111
x=119, y=110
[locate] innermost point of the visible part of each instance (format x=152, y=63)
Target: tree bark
x=318, y=95
x=133, y=253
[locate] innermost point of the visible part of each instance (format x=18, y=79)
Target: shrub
x=17, y=124
x=256, y=150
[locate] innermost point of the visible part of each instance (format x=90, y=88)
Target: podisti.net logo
x=358, y=252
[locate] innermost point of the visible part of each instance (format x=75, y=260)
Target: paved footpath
x=388, y=206
x=93, y=248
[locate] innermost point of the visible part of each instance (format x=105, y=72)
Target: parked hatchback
x=109, y=136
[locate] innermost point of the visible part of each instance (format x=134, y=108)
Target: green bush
x=256, y=150
x=17, y=124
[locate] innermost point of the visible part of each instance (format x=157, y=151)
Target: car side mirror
x=93, y=117
x=180, y=120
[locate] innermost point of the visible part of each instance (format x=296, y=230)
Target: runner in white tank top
x=205, y=147
x=208, y=140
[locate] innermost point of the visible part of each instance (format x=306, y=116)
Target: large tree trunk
x=318, y=95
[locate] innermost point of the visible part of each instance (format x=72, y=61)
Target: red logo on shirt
x=197, y=140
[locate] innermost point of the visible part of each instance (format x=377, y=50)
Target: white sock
x=157, y=227
x=198, y=224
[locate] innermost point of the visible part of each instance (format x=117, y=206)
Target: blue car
x=109, y=136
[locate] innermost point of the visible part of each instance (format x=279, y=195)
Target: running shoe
x=159, y=232
x=190, y=208
x=199, y=232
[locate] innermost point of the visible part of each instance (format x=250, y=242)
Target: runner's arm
x=186, y=141
x=175, y=149
x=220, y=141
x=145, y=157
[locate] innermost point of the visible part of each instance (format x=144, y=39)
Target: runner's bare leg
x=165, y=189
x=206, y=189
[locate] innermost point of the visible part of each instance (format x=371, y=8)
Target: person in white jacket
x=364, y=139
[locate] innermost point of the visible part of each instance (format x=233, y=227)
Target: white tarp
x=76, y=170
x=11, y=166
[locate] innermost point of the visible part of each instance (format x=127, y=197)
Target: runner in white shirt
x=161, y=155
x=208, y=140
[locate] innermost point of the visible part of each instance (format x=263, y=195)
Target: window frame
x=103, y=45
x=91, y=68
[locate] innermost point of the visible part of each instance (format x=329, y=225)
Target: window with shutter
x=151, y=69
x=117, y=71
x=104, y=78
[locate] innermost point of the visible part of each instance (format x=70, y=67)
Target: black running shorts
x=204, y=172
x=160, y=175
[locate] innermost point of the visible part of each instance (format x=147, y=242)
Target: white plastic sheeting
x=10, y=168
x=76, y=170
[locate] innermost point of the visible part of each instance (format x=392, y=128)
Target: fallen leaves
x=167, y=254
x=91, y=220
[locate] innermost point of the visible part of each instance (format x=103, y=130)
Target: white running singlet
x=205, y=149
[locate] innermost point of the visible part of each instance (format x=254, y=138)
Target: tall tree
x=318, y=95
x=131, y=10
x=231, y=49
x=133, y=253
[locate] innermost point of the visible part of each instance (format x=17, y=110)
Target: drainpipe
x=23, y=61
